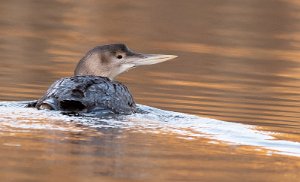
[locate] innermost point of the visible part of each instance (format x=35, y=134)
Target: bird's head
x=114, y=59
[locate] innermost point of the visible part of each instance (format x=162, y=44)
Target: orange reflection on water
x=238, y=62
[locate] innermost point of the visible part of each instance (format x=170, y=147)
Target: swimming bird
x=92, y=89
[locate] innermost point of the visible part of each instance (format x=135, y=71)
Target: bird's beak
x=135, y=59
x=147, y=59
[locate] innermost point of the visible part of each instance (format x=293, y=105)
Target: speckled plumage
x=91, y=89
x=88, y=94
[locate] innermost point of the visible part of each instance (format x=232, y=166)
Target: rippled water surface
x=239, y=64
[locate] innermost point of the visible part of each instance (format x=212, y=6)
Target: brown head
x=114, y=59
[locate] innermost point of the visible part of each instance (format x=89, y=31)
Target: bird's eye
x=119, y=56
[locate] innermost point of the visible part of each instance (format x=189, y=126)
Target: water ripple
x=15, y=117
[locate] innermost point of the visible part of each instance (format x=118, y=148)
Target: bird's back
x=89, y=94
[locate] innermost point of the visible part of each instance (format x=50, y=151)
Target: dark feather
x=88, y=94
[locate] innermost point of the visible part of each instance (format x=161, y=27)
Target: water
x=238, y=64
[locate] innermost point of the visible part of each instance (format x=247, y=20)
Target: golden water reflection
x=238, y=62
x=125, y=156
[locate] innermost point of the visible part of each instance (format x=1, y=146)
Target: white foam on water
x=231, y=133
x=13, y=115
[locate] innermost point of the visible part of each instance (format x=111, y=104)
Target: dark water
x=239, y=61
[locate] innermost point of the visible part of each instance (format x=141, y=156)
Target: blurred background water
x=239, y=61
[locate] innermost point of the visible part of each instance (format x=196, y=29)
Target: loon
x=92, y=89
